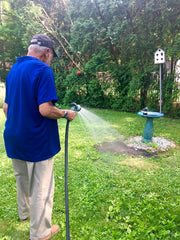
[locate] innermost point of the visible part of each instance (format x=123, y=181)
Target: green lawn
x=109, y=197
x=2, y=94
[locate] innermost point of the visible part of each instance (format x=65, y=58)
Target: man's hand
x=71, y=115
x=48, y=110
x=5, y=108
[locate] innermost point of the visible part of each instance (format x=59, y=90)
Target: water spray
x=74, y=107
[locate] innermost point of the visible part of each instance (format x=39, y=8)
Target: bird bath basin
x=148, y=129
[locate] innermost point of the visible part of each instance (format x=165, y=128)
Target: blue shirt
x=28, y=135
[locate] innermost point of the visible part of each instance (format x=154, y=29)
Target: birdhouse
x=159, y=56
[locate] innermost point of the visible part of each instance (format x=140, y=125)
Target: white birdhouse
x=159, y=56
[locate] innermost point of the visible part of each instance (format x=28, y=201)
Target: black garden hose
x=66, y=181
x=74, y=107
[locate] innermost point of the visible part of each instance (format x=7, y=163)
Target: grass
x=111, y=197
x=2, y=94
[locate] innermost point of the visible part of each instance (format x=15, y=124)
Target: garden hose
x=74, y=107
x=66, y=181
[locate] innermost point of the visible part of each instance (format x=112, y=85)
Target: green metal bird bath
x=148, y=129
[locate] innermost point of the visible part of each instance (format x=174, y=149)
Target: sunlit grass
x=2, y=94
x=139, y=163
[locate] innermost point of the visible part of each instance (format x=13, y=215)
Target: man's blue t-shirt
x=28, y=135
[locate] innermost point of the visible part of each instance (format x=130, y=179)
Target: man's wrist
x=65, y=114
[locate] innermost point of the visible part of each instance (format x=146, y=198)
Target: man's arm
x=48, y=110
x=5, y=108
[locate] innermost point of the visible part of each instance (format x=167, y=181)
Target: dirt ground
x=121, y=148
x=136, y=147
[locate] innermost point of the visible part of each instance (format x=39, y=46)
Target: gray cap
x=44, y=41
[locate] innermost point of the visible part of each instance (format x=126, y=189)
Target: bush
x=116, y=87
x=169, y=93
x=175, y=110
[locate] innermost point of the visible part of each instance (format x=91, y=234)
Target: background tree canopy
x=111, y=42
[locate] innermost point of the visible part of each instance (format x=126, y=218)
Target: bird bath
x=148, y=129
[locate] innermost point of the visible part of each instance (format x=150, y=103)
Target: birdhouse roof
x=159, y=50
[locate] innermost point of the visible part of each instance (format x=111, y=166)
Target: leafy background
x=112, y=42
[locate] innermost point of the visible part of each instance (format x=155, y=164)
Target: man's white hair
x=36, y=48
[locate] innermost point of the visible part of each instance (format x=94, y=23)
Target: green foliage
x=124, y=93
x=75, y=88
x=10, y=43
x=169, y=92
x=95, y=95
x=86, y=45
x=98, y=63
x=175, y=110
x=116, y=38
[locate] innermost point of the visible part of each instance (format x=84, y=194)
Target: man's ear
x=49, y=50
x=46, y=51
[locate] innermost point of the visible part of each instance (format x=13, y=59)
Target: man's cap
x=44, y=41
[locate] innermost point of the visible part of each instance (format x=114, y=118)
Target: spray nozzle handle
x=75, y=107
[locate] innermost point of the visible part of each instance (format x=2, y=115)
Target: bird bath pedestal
x=148, y=129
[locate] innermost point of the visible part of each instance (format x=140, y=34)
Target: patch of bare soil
x=136, y=147
x=121, y=148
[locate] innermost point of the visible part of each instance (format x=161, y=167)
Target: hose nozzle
x=75, y=107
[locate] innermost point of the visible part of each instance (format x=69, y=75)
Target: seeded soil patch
x=136, y=147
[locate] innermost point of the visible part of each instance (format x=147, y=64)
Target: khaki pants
x=35, y=192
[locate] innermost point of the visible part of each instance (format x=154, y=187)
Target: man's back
x=28, y=135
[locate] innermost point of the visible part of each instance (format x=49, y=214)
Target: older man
x=31, y=134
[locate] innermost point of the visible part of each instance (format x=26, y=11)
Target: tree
x=10, y=43
x=117, y=38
